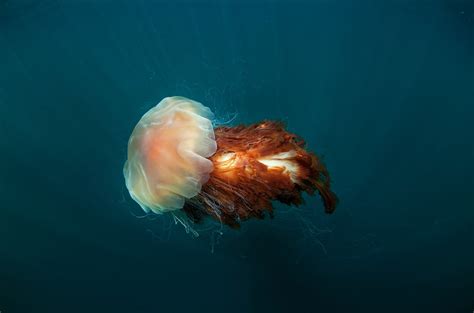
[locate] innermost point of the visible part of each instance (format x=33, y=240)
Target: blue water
x=382, y=90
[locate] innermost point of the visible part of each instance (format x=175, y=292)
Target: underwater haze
x=383, y=91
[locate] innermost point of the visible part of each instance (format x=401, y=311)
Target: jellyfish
x=178, y=163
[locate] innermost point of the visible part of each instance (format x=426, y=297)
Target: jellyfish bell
x=168, y=152
x=177, y=162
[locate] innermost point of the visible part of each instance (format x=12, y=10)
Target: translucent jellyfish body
x=168, y=154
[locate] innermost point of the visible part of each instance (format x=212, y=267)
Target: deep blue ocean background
x=382, y=90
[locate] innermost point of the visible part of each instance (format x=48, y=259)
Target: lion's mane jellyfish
x=178, y=163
